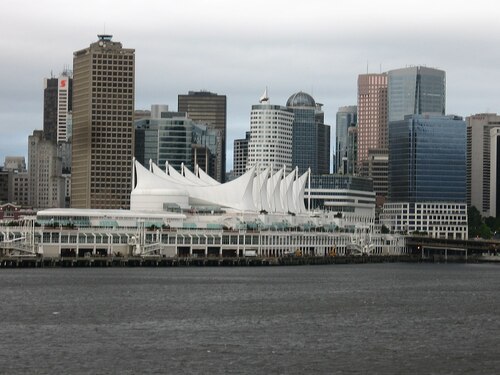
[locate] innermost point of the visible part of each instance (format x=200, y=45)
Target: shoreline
x=158, y=261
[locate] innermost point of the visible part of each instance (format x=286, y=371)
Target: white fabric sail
x=299, y=187
x=259, y=184
x=285, y=186
x=273, y=191
x=206, y=178
x=190, y=176
x=236, y=194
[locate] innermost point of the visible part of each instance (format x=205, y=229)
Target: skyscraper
x=346, y=116
x=103, y=132
x=311, y=137
x=240, y=155
x=210, y=109
x=46, y=184
x=416, y=90
x=428, y=160
x=352, y=150
x=174, y=138
x=271, y=134
x=372, y=117
x=483, y=163
x=372, y=131
x=57, y=105
x=427, y=175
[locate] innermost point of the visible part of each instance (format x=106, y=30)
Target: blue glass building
x=415, y=90
x=427, y=159
x=311, y=137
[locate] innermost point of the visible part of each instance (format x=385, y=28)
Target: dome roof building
x=301, y=99
x=311, y=137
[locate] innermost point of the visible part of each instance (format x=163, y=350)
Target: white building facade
x=435, y=219
x=271, y=131
x=483, y=131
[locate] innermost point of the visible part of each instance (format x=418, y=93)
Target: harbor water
x=392, y=318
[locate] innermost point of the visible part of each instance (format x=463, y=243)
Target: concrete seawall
x=157, y=261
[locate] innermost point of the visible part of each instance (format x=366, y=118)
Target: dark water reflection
x=368, y=319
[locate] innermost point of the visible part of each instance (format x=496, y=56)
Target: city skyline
x=321, y=52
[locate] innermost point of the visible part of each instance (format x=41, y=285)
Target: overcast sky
x=237, y=48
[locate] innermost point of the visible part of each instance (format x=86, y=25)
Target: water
x=349, y=319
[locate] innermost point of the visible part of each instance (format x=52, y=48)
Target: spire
x=264, y=98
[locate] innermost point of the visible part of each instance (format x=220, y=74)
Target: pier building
x=189, y=214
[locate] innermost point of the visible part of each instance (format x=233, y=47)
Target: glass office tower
x=428, y=159
x=211, y=109
x=416, y=90
x=346, y=116
x=311, y=136
x=173, y=137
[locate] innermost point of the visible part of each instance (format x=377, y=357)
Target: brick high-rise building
x=372, y=116
x=103, y=127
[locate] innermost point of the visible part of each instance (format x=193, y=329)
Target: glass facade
x=240, y=155
x=346, y=116
x=311, y=137
x=335, y=181
x=427, y=159
x=305, y=134
x=211, y=109
x=176, y=139
x=416, y=90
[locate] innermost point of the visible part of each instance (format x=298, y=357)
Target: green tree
x=485, y=231
x=493, y=223
x=475, y=221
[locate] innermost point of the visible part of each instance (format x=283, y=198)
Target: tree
x=493, y=223
x=485, y=231
x=475, y=221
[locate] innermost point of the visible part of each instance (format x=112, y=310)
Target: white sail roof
x=192, y=177
x=206, y=178
x=299, y=187
x=236, y=194
x=250, y=192
x=259, y=184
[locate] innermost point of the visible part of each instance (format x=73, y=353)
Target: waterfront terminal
x=183, y=214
